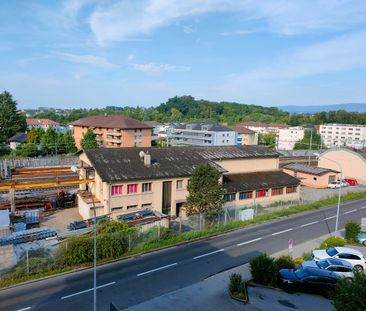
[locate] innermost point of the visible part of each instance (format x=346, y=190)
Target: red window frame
x=261, y=193
x=116, y=190
x=276, y=191
x=131, y=188
x=291, y=189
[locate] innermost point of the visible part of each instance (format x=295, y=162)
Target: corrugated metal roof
x=314, y=170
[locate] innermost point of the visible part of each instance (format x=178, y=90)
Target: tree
x=11, y=120
x=350, y=295
x=32, y=136
x=206, y=193
x=49, y=141
x=305, y=142
x=267, y=139
x=89, y=141
x=26, y=150
x=69, y=143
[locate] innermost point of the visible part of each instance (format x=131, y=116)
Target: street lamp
x=339, y=189
x=75, y=170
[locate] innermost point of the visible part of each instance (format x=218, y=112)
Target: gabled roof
x=35, y=121
x=19, y=138
x=258, y=124
x=241, y=129
x=258, y=180
x=122, y=164
x=313, y=170
x=114, y=121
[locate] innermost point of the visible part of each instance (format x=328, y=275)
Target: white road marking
x=309, y=224
x=351, y=211
x=87, y=290
x=247, y=242
x=283, y=231
x=330, y=217
x=157, y=269
x=207, y=254
x=24, y=309
x=362, y=207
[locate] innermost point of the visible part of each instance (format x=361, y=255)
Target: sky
x=97, y=53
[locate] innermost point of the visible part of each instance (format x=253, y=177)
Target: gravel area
x=60, y=218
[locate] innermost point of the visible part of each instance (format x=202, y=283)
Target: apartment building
x=263, y=128
x=131, y=179
x=245, y=136
x=42, y=123
x=340, y=135
x=200, y=134
x=288, y=137
x=113, y=131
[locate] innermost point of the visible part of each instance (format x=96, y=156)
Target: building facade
x=343, y=135
x=131, y=179
x=263, y=128
x=288, y=137
x=113, y=131
x=201, y=134
x=245, y=136
x=42, y=123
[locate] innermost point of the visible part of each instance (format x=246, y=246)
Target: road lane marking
x=309, y=224
x=247, y=242
x=24, y=309
x=330, y=217
x=351, y=211
x=208, y=254
x=157, y=269
x=362, y=207
x=283, y=231
x=87, y=290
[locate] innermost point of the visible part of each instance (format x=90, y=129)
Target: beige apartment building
x=343, y=135
x=131, y=179
x=288, y=137
x=113, y=131
x=245, y=136
x=263, y=128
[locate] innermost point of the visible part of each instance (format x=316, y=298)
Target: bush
x=352, y=229
x=306, y=256
x=350, y=295
x=264, y=270
x=332, y=241
x=285, y=262
x=298, y=261
x=237, y=287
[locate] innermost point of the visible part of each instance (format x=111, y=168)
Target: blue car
x=308, y=280
x=361, y=238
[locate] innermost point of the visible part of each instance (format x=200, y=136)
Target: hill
x=352, y=107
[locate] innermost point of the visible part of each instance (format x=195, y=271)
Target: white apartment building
x=348, y=135
x=201, y=134
x=288, y=137
x=263, y=128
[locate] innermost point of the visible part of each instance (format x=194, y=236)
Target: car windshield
x=322, y=264
x=332, y=251
x=300, y=273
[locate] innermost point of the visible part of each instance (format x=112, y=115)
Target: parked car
x=345, y=253
x=344, y=183
x=361, y=238
x=351, y=181
x=308, y=279
x=338, y=266
x=337, y=184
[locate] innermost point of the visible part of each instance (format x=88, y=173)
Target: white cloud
x=93, y=60
x=188, y=29
x=124, y=20
x=157, y=68
x=237, y=32
x=131, y=56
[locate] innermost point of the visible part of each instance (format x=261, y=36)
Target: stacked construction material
x=27, y=236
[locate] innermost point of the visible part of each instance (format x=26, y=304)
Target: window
x=131, y=206
x=229, y=197
x=245, y=195
x=116, y=208
x=276, y=191
x=146, y=187
x=180, y=184
x=291, y=189
x=132, y=188
x=146, y=205
x=261, y=193
x=116, y=190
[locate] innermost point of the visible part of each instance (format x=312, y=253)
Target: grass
x=192, y=236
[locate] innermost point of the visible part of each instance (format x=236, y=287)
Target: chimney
x=147, y=159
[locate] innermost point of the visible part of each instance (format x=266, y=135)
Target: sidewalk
x=211, y=294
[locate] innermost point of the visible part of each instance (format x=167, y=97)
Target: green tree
x=206, y=193
x=49, y=141
x=69, y=143
x=40, y=132
x=305, y=142
x=11, y=120
x=350, y=295
x=267, y=139
x=32, y=136
x=26, y=150
x=89, y=141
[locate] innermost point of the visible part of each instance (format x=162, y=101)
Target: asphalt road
x=135, y=280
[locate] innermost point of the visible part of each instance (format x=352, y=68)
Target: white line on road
x=309, y=224
x=207, y=254
x=351, y=211
x=330, y=217
x=157, y=269
x=87, y=290
x=247, y=242
x=283, y=231
x=362, y=207
x=24, y=309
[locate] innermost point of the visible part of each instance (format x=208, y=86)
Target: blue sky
x=94, y=53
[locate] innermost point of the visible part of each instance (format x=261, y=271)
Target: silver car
x=340, y=267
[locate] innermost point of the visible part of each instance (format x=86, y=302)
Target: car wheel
x=364, y=243
x=349, y=279
x=358, y=268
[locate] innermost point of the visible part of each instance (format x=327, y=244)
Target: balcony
x=114, y=140
x=112, y=133
x=98, y=132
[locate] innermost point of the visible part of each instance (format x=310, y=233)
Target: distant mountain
x=359, y=107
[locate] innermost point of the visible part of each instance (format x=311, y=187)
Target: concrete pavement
x=211, y=294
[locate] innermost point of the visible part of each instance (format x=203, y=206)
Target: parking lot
x=310, y=194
